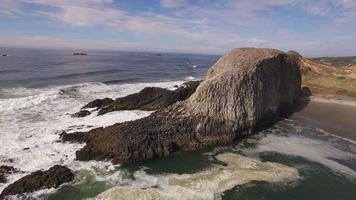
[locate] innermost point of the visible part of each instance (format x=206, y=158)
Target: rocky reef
x=51, y=178
x=246, y=89
x=149, y=99
x=82, y=113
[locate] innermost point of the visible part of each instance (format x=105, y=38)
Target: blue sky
x=314, y=28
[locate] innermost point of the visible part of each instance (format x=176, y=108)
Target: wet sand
x=338, y=118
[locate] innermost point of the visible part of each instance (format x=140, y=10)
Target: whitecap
x=31, y=122
x=189, y=78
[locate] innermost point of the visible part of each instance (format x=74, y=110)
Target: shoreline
x=334, y=116
x=335, y=100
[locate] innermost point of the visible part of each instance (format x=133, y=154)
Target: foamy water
x=189, y=78
x=32, y=119
x=310, y=143
x=311, y=149
x=204, y=185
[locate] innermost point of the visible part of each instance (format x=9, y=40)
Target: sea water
x=39, y=89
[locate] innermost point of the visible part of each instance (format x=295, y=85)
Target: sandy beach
x=337, y=117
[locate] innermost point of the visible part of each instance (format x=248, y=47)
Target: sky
x=313, y=28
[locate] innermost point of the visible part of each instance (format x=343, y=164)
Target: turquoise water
x=326, y=166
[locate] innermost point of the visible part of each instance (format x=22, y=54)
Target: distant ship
x=5, y=55
x=80, y=54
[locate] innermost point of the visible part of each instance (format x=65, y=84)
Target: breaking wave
x=32, y=119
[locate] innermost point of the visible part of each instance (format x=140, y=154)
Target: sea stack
x=246, y=89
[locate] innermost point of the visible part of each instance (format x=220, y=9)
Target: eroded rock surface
x=4, y=171
x=151, y=98
x=51, y=178
x=245, y=89
x=148, y=99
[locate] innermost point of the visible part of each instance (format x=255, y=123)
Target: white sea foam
x=194, y=66
x=31, y=123
x=188, y=78
x=311, y=149
x=208, y=184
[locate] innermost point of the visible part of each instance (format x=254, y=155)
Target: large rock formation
x=246, y=89
x=51, y=178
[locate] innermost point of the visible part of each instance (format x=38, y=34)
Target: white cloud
x=215, y=26
x=10, y=7
x=171, y=3
x=66, y=43
x=100, y=12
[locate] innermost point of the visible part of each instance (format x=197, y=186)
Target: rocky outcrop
x=2, y=178
x=4, y=171
x=98, y=103
x=246, y=89
x=82, y=113
x=51, y=178
x=149, y=99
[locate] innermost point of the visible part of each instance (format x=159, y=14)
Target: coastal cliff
x=246, y=89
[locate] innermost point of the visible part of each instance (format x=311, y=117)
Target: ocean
x=39, y=89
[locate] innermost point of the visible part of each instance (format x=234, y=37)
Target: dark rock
x=51, y=178
x=244, y=90
x=80, y=54
x=98, y=103
x=4, y=171
x=151, y=98
x=305, y=92
x=82, y=113
x=143, y=100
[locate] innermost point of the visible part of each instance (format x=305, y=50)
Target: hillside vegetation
x=349, y=61
x=327, y=79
